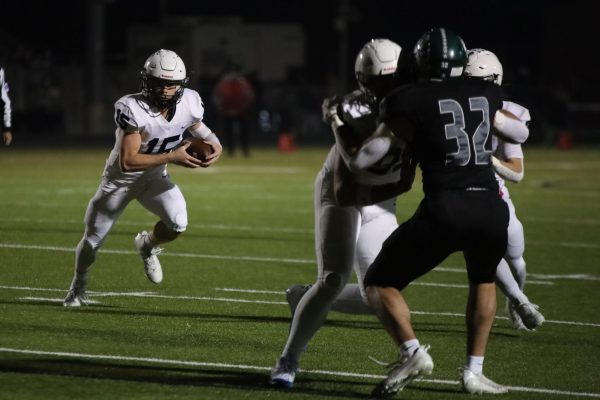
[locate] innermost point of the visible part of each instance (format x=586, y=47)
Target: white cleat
x=478, y=384
x=149, y=255
x=284, y=373
x=514, y=318
x=530, y=316
x=75, y=298
x=403, y=372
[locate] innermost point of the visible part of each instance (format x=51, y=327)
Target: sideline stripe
x=153, y=360
x=280, y=260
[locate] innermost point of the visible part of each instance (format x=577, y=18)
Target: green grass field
x=217, y=323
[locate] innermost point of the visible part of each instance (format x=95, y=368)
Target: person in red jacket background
x=233, y=96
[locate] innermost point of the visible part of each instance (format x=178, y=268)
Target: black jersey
x=452, y=123
x=359, y=110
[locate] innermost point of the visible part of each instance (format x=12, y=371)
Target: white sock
x=508, y=284
x=410, y=346
x=310, y=315
x=475, y=364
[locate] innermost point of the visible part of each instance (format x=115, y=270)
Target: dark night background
x=549, y=49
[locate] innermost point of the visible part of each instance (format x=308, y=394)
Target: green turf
x=251, y=228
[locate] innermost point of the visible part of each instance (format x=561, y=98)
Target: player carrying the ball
x=149, y=135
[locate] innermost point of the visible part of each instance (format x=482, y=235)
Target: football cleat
x=403, y=372
x=514, y=318
x=149, y=255
x=284, y=373
x=530, y=316
x=478, y=384
x=76, y=295
x=294, y=294
x=75, y=298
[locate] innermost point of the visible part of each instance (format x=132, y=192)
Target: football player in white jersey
x=347, y=236
x=149, y=135
x=508, y=164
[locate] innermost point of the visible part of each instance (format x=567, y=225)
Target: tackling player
x=149, y=135
x=347, y=234
x=447, y=121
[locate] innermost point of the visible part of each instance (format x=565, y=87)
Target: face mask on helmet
x=440, y=54
x=484, y=64
x=163, y=70
x=379, y=66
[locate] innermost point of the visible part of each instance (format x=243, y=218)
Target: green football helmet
x=440, y=54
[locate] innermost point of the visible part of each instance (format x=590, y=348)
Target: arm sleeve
x=506, y=172
x=510, y=129
x=510, y=150
x=517, y=110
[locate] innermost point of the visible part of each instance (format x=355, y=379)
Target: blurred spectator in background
x=6, y=115
x=233, y=97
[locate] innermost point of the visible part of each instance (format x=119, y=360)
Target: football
x=199, y=149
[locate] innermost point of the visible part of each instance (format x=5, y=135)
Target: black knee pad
x=333, y=282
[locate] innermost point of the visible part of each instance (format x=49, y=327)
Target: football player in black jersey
x=448, y=121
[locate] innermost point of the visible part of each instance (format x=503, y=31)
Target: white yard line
x=232, y=300
x=572, y=276
x=545, y=277
x=153, y=360
x=189, y=255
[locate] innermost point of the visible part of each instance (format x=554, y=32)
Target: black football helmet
x=440, y=54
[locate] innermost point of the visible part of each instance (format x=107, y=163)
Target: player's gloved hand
x=329, y=108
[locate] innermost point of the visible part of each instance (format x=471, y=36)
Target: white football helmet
x=163, y=65
x=485, y=65
x=377, y=66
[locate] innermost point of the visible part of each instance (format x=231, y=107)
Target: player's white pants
x=511, y=272
x=336, y=231
x=158, y=195
x=378, y=221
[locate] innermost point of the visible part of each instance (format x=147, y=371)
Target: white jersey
x=504, y=150
x=134, y=113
